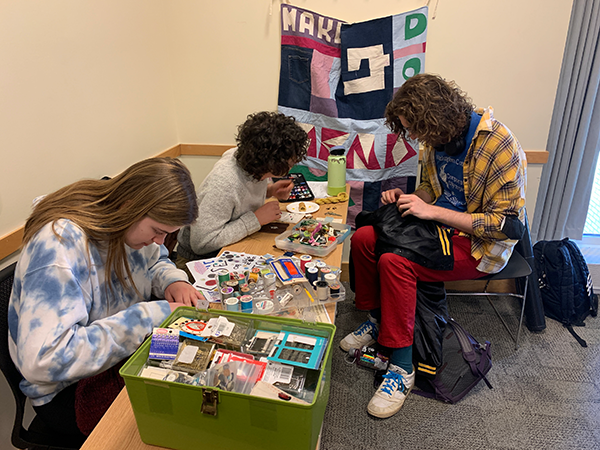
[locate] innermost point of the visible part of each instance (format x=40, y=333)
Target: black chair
x=519, y=269
x=36, y=436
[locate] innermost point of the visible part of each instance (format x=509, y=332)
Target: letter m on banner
x=336, y=80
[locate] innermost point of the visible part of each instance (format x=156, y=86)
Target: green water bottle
x=336, y=171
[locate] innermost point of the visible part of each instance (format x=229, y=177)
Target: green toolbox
x=187, y=417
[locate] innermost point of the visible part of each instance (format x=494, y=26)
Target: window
x=590, y=244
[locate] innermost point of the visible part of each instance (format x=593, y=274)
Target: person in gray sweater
x=231, y=200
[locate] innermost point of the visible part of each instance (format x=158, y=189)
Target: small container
x=286, y=299
x=369, y=357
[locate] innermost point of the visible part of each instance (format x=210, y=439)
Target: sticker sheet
x=205, y=271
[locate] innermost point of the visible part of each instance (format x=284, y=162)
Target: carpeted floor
x=546, y=395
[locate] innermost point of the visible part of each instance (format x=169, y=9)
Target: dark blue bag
x=465, y=362
x=565, y=284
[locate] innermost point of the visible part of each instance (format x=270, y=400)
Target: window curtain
x=567, y=179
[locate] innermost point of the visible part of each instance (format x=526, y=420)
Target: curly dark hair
x=436, y=110
x=267, y=142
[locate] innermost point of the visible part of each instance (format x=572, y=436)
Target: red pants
x=390, y=283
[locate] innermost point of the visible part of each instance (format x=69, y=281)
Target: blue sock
x=402, y=357
x=376, y=314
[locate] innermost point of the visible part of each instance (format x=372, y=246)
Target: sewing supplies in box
x=233, y=356
x=278, y=285
x=314, y=237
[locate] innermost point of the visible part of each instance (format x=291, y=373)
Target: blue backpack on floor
x=565, y=284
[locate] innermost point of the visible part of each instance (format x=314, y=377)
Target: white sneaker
x=366, y=334
x=390, y=396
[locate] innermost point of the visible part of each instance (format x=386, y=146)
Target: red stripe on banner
x=410, y=50
x=309, y=43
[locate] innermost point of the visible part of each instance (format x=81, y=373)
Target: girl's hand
x=183, y=293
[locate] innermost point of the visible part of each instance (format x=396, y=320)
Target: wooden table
x=118, y=430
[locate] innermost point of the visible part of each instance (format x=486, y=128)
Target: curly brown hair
x=436, y=110
x=267, y=142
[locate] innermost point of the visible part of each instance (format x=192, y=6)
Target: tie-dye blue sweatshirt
x=64, y=323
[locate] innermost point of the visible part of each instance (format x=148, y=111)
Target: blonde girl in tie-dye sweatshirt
x=92, y=256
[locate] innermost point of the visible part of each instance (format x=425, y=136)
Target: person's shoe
x=390, y=396
x=366, y=334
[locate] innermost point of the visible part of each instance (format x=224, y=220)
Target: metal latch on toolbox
x=210, y=398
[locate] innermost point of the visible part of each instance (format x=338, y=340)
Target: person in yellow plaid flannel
x=473, y=181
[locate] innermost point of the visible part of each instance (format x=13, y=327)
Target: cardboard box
x=186, y=417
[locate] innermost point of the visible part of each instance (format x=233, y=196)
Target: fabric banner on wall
x=336, y=80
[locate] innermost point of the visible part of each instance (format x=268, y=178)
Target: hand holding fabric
x=391, y=196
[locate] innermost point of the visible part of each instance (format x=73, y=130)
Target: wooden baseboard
x=11, y=242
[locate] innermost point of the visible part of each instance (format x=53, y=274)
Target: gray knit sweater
x=227, y=199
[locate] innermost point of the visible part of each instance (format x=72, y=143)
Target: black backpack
x=465, y=362
x=565, y=284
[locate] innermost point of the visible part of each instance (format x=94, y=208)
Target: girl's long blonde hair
x=159, y=188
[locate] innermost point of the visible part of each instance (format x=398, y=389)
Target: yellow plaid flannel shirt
x=495, y=180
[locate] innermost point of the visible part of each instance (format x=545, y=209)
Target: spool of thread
x=312, y=275
x=244, y=289
x=322, y=290
x=232, y=304
x=232, y=284
x=265, y=307
x=320, y=264
x=253, y=276
x=336, y=271
x=226, y=292
x=296, y=289
x=246, y=302
x=223, y=276
x=330, y=278
x=269, y=279
x=324, y=271
x=308, y=265
x=303, y=260
x=334, y=289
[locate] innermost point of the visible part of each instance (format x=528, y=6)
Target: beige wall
x=87, y=88
x=503, y=53
x=85, y=91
